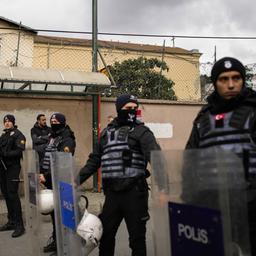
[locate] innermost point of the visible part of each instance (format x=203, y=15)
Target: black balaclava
x=57, y=127
x=126, y=116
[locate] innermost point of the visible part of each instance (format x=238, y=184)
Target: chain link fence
x=73, y=51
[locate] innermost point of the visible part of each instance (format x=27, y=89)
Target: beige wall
x=62, y=57
x=78, y=112
x=184, y=69
x=9, y=44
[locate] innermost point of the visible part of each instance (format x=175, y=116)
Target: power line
x=181, y=36
x=143, y=35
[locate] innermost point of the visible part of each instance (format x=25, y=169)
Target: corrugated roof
x=112, y=45
x=21, y=74
x=19, y=78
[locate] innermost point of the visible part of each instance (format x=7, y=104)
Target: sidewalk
x=20, y=246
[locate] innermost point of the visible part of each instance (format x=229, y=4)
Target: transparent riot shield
x=199, y=203
x=36, y=223
x=67, y=214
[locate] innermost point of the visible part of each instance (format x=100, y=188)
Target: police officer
x=40, y=135
x=123, y=153
x=12, y=144
x=61, y=139
x=228, y=121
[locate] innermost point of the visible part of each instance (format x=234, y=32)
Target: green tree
x=143, y=77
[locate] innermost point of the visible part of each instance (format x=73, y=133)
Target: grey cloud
x=180, y=17
x=241, y=14
x=136, y=15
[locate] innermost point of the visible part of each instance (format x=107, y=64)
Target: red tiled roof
x=112, y=45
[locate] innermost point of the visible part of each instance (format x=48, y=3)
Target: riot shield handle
x=86, y=200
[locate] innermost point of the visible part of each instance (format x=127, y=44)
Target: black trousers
x=48, y=185
x=132, y=206
x=9, y=184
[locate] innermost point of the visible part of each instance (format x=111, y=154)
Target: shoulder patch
x=66, y=149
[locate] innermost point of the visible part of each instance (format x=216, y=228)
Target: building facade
x=22, y=46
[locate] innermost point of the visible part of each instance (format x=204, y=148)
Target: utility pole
x=94, y=36
x=173, y=41
x=18, y=48
x=215, y=54
x=161, y=71
x=95, y=97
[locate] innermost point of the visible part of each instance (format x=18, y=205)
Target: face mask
x=57, y=127
x=127, y=116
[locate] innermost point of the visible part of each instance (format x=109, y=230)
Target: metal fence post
x=95, y=98
x=18, y=48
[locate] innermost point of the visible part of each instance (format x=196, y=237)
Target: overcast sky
x=172, y=17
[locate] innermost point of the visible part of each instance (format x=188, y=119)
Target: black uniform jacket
x=140, y=138
x=216, y=105
x=12, y=143
x=40, y=136
x=65, y=142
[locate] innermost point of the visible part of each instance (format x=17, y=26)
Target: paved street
x=20, y=246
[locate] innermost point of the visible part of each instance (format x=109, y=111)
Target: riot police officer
x=123, y=153
x=40, y=135
x=61, y=139
x=228, y=121
x=12, y=144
